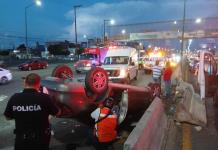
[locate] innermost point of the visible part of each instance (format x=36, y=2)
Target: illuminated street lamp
x=112, y=22
x=123, y=31
x=198, y=20
x=37, y=3
x=85, y=37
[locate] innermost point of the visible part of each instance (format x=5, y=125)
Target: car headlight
x=88, y=65
x=122, y=72
x=173, y=64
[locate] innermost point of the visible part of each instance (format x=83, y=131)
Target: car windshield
x=87, y=56
x=116, y=60
x=29, y=61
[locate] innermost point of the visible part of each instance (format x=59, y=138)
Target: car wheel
x=63, y=72
x=123, y=107
x=96, y=80
x=29, y=68
x=4, y=80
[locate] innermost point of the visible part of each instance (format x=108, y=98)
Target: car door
x=35, y=64
x=211, y=77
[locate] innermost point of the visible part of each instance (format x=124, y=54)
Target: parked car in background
x=33, y=64
x=5, y=76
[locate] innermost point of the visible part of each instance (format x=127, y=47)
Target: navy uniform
x=30, y=110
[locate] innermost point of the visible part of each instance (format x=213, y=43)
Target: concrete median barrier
x=191, y=108
x=150, y=130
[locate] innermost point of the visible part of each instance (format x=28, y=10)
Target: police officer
x=30, y=110
x=105, y=125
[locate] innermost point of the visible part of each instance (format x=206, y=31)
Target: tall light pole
x=183, y=28
x=111, y=22
x=75, y=7
x=38, y=3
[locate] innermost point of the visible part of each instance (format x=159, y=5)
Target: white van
x=120, y=63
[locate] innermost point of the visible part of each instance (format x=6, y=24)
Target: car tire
x=96, y=80
x=62, y=72
x=4, y=80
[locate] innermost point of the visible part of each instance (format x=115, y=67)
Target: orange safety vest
x=106, y=128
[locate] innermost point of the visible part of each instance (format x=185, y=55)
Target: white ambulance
x=120, y=64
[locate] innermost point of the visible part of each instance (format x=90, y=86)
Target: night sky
x=54, y=20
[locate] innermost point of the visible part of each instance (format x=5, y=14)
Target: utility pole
x=183, y=28
x=75, y=7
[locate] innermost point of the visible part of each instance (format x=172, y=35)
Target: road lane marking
x=186, y=137
x=3, y=97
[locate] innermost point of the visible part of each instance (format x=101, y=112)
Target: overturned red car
x=77, y=99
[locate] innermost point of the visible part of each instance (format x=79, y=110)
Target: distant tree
x=58, y=49
x=4, y=53
x=21, y=47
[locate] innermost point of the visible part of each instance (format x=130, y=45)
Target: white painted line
x=3, y=97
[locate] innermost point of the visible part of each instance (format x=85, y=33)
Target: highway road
x=6, y=127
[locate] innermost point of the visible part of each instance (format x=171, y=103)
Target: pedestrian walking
x=156, y=72
x=167, y=79
x=105, y=131
x=30, y=109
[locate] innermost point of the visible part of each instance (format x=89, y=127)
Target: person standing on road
x=167, y=79
x=156, y=72
x=30, y=110
x=105, y=130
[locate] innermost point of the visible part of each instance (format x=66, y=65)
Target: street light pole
x=75, y=7
x=38, y=3
x=111, y=22
x=104, y=31
x=26, y=41
x=183, y=27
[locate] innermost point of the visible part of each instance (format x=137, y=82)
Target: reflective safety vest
x=106, y=128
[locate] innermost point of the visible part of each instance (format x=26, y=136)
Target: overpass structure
x=207, y=28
